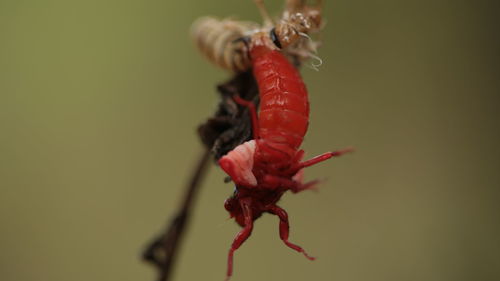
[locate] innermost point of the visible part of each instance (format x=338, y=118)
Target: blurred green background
x=99, y=102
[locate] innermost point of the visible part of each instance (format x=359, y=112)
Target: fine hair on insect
x=220, y=41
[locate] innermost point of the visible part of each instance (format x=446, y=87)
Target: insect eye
x=274, y=38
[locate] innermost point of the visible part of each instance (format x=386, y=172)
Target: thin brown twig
x=229, y=127
x=163, y=249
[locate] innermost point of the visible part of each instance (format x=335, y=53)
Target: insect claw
x=308, y=256
x=314, y=185
x=325, y=156
x=348, y=149
x=311, y=185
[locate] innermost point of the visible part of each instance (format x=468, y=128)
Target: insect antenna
x=316, y=59
x=311, y=52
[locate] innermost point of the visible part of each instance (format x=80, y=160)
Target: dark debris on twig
x=229, y=127
x=231, y=124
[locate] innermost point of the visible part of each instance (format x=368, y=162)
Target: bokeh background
x=99, y=102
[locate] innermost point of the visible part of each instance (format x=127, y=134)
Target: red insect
x=264, y=168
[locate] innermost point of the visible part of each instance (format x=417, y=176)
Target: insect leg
x=294, y=185
x=292, y=6
x=319, y=4
x=253, y=114
x=275, y=182
x=241, y=236
x=298, y=156
x=325, y=156
x=311, y=185
x=268, y=20
x=285, y=229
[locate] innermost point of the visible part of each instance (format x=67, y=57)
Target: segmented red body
x=284, y=111
x=265, y=168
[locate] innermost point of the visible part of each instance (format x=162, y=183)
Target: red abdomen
x=284, y=105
